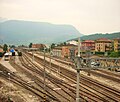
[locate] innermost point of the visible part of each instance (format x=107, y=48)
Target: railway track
x=111, y=95
x=99, y=72
x=40, y=72
x=84, y=93
x=37, y=72
x=110, y=73
x=20, y=82
x=102, y=71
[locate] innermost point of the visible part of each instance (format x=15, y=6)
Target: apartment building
x=117, y=44
x=88, y=45
x=103, y=45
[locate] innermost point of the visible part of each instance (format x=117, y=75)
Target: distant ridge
x=100, y=35
x=24, y=32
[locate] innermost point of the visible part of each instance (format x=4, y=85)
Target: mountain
x=100, y=35
x=24, y=32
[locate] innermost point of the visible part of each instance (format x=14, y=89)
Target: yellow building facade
x=117, y=44
x=103, y=45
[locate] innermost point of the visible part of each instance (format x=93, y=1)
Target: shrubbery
x=115, y=54
x=99, y=53
x=19, y=53
x=1, y=54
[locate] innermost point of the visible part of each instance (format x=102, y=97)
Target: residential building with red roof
x=103, y=45
x=88, y=45
x=40, y=46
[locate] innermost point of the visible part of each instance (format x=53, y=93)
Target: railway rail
x=20, y=82
x=71, y=74
x=35, y=69
x=85, y=94
x=100, y=72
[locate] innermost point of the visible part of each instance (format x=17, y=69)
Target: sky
x=88, y=16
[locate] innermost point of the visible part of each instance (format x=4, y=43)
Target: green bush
x=119, y=53
x=114, y=54
x=99, y=53
x=19, y=53
x=1, y=54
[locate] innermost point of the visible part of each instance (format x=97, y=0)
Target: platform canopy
x=12, y=50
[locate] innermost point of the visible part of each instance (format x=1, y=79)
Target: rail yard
x=35, y=77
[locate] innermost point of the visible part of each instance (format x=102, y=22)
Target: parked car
x=95, y=64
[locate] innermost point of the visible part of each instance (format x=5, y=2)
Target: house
x=39, y=46
x=103, y=45
x=1, y=50
x=63, y=51
x=57, y=51
x=117, y=44
x=66, y=50
x=72, y=42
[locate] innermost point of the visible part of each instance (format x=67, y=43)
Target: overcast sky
x=88, y=16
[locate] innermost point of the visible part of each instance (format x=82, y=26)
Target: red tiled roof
x=1, y=50
x=103, y=39
x=89, y=41
x=58, y=48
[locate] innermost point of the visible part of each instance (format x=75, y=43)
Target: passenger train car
x=7, y=56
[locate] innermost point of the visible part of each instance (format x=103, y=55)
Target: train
x=7, y=56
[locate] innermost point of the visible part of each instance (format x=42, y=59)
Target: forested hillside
x=97, y=36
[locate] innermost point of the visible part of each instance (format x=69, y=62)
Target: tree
x=30, y=45
x=114, y=54
x=52, y=45
x=12, y=46
x=64, y=43
x=5, y=47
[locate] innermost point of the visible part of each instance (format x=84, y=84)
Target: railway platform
x=7, y=65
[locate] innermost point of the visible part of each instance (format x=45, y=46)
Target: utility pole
x=78, y=72
x=33, y=56
x=44, y=78
x=9, y=87
x=59, y=71
x=50, y=60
